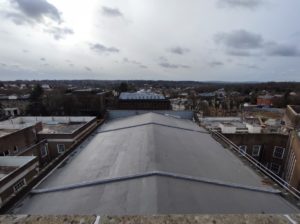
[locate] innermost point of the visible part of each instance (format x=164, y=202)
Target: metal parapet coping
x=154, y=123
x=155, y=173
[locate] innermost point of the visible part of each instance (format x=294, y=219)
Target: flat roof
x=51, y=125
x=9, y=164
x=147, y=143
x=4, y=132
x=60, y=128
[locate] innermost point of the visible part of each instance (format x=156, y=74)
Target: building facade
x=143, y=101
x=269, y=149
x=15, y=174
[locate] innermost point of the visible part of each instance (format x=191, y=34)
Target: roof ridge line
x=154, y=173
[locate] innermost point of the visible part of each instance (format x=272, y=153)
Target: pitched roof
x=166, y=145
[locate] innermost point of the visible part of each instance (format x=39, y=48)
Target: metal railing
x=278, y=180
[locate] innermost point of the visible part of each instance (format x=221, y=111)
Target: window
x=19, y=185
x=60, y=148
x=243, y=149
x=278, y=152
x=16, y=149
x=5, y=153
x=275, y=168
x=44, y=151
x=256, y=150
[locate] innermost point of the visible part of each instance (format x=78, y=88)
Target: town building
x=292, y=116
x=43, y=137
x=46, y=139
x=268, y=149
x=16, y=136
x=11, y=112
x=264, y=141
x=62, y=133
x=15, y=101
x=143, y=100
x=265, y=100
x=15, y=173
x=153, y=164
x=292, y=121
x=293, y=164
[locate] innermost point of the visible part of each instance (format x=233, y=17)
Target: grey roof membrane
x=147, y=148
x=141, y=96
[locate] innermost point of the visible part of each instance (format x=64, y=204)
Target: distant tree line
x=61, y=103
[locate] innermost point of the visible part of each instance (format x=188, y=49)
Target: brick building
x=37, y=144
x=44, y=137
x=293, y=164
x=292, y=116
x=63, y=132
x=265, y=100
x=143, y=101
x=269, y=149
x=15, y=137
x=15, y=174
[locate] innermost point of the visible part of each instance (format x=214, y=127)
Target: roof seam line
x=149, y=123
x=155, y=173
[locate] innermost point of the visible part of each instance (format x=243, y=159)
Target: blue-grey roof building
x=153, y=164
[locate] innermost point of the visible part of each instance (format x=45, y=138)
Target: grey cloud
x=179, y=50
x=126, y=60
x=3, y=64
x=87, y=68
x=17, y=18
x=240, y=39
x=249, y=4
x=248, y=66
x=244, y=43
x=130, y=61
x=25, y=51
x=69, y=62
x=173, y=66
x=111, y=12
x=15, y=66
x=37, y=9
x=58, y=32
x=32, y=12
x=100, y=48
x=215, y=63
x=42, y=59
x=241, y=53
x=275, y=49
x=166, y=64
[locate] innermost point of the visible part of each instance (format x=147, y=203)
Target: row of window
x=278, y=152
x=19, y=185
x=44, y=150
x=8, y=153
x=60, y=149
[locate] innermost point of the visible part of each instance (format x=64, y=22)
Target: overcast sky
x=226, y=40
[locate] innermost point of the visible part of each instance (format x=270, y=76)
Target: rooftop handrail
x=281, y=182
